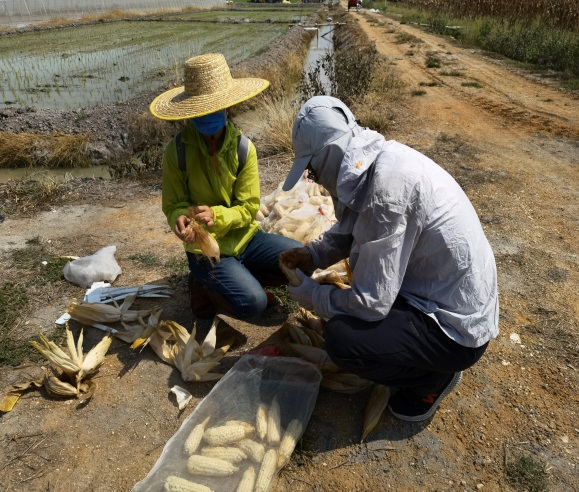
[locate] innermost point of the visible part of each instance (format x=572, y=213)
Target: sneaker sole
x=425, y=416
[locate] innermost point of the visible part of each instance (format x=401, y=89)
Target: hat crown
x=207, y=74
x=321, y=120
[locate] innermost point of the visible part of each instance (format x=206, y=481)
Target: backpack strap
x=180, y=153
x=242, y=151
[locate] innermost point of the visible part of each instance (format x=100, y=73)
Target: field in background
x=104, y=63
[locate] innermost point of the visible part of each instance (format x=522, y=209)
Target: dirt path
x=512, y=144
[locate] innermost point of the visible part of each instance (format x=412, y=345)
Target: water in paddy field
x=20, y=13
x=321, y=44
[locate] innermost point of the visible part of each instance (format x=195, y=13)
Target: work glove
x=304, y=293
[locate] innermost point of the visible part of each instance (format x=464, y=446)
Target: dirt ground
x=512, y=143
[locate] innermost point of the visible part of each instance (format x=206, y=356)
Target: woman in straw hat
x=203, y=172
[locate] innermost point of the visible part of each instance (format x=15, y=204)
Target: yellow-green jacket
x=233, y=197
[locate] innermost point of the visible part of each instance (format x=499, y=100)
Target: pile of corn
x=302, y=213
x=255, y=451
x=307, y=340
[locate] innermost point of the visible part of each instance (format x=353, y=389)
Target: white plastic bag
x=101, y=266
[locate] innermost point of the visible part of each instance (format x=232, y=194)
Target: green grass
x=432, y=61
x=177, y=266
x=450, y=73
x=528, y=474
x=31, y=266
x=472, y=84
x=285, y=301
x=429, y=84
x=534, y=42
x=146, y=259
x=418, y=92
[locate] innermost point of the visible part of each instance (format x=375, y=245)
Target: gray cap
x=320, y=121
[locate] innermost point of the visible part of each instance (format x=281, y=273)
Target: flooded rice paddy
x=104, y=63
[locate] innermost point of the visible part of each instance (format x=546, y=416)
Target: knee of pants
x=250, y=305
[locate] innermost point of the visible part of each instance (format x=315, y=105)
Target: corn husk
x=297, y=334
x=316, y=356
x=13, y=395
x=175, y=346
x=203, y=239
x=376, y=405
x=69, y=371
x=140, y=333
x=344, y=382
x=89, y=313
x=310, y=320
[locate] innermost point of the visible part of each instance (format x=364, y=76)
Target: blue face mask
x=211, y=123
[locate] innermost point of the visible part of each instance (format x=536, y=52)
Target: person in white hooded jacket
x=423, y=303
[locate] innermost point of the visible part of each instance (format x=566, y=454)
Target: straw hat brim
x=175, y=104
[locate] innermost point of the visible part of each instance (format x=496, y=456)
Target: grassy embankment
x=540, y=35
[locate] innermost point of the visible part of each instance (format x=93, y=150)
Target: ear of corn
x=90, y=313
x=274, y=423
x=247, y=481
x=224, y=434
x=194, y=439
x=297, y=334
x=178, y=484
x=210, y=467
x=267, y=471
x=376, y=405
x=248, y=427
x=253, y=449
x=204, y=240
x=231, y=454
x=290, y=438
x=261, y=421
x=290, y=274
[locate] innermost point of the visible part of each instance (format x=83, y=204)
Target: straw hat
x=208, y=87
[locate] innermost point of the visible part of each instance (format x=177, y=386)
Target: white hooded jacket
x=409, y=230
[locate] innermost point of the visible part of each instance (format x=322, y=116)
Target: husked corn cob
x=253, y=449
x=224, y=434
x=267, y=471
x=261, y=421
x=247, y=481
x=210, y=467
x=177, y=484
x=290, y=438
x=273, y=423
x=248, y=427
x=194, y=439
x=231, y=454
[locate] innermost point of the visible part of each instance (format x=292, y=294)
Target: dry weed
x=276, y=134
x=19, y=150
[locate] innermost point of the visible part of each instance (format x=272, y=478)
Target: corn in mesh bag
x=243, y=432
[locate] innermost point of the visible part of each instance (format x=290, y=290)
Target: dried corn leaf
x=376, y=405
x=90, y=313
x=316, y=356
x=344, y=382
